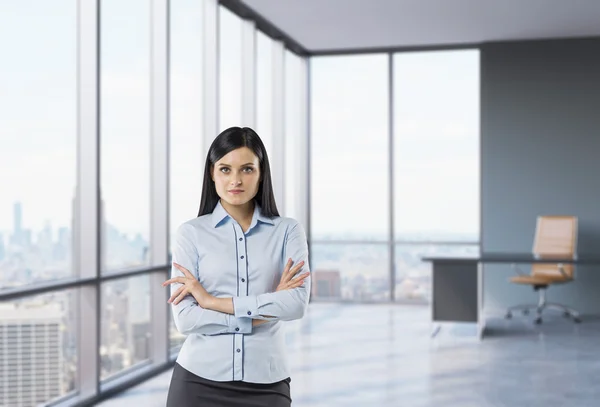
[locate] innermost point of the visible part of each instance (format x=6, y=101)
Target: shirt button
x=241, y=257
x=243, y=280
x=238, y=350
x=237, y=329
x=241, y=239
x=249, y=313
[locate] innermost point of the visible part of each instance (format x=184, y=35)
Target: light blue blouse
x=248, y=267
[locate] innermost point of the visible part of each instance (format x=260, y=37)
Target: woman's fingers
x=174, y=280
x=287, y=268
x=296, y=268
x=176, y=293
x=294, y=271
x=180, y=297
x=298, y=281
x=286, y=271
x=289, y=272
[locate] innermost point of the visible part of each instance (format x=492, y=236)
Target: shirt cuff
x=240, y=325
x=245, y=307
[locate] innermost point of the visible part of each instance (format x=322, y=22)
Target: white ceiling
x=323, y=25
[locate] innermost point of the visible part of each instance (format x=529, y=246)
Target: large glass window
x=125, y=133
x=350, y=173
x=230, y=69
x=186, y=142
x=436, y=161
x=435, y=167
x=38, y=145
x=436, y=145
x=349, y=143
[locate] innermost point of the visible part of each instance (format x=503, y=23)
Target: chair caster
x=508, y=315
x=577, y=320
x=525, y=312
x=567, y=314
x=538, y=321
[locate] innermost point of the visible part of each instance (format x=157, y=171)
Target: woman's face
x=237, y=176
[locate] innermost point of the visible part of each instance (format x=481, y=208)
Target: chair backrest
x=555, y=236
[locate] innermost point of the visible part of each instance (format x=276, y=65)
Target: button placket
x=238, y=356
x=238, y=349
x=242, y=261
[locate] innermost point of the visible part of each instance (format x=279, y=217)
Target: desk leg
x=480, y=316
x=456, y=293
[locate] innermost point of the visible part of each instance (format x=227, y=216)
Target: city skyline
x=26, y=257
x=57, y=232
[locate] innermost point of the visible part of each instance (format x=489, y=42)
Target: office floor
x=382, y=355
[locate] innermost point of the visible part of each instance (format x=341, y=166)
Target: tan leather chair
x=555, y=237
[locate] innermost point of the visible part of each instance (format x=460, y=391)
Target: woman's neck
x=241, y=213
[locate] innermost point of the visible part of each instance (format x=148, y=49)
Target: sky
x=436, y=123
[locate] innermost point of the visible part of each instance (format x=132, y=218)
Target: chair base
x=541, y=306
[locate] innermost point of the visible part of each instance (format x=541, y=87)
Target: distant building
x=31, y=354
x=326, y=284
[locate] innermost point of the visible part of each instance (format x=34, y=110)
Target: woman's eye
x=248, y=169
x=224, y=169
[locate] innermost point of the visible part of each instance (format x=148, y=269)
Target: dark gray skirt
x=189, y=390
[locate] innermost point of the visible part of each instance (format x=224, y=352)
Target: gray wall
x=540, y=154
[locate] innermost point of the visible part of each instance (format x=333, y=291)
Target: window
x=349, y=142
x=436, y=145
x=230, y=70
x=38, y=145
x=264, y=91
x=435, y=168
x=295, y=136
x=350, y=175
x=186, y=142
x=436, y=162
x=125, y=133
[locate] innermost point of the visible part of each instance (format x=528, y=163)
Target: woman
x=235, y=278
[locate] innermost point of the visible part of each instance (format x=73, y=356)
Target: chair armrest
x=517, y=269
x=561, y=268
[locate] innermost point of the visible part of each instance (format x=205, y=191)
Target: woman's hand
x=288, y=281
x=191, y=286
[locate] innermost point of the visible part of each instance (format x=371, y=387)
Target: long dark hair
x=229, y=140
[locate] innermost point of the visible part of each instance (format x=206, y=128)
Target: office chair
x=555, y=236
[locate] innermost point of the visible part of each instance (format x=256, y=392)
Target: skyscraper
x=31, y=354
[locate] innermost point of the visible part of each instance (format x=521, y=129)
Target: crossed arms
x=196, y=311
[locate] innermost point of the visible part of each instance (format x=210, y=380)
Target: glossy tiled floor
x=382, y=355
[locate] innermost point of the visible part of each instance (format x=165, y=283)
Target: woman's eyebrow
x=227, y=165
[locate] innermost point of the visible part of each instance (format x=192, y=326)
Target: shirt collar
x=219, y=214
